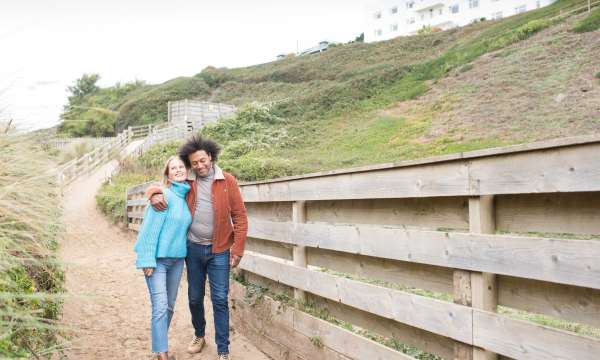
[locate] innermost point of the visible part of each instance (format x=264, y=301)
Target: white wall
x=436, y=13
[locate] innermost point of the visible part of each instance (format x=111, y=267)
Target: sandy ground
x=108, y=307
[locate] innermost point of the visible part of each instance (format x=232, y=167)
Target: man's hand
x=158, y=202
x=234, y=260
x=148, y=271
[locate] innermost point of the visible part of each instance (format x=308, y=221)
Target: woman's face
x=177, y=171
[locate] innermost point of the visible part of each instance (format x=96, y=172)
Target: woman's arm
x=147, y=241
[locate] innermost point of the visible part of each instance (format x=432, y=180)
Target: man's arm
x=239, y=218
x=157, y=199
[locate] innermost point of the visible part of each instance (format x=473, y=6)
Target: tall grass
x=30, y=277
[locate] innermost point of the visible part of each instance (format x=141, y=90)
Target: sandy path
x=108, y=308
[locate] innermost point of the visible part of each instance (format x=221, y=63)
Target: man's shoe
x=223, y=357
x=196, y=345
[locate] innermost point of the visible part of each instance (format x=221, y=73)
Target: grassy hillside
x=525, y=78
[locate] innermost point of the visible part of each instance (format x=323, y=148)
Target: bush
x=590, y=23
x=111, y=196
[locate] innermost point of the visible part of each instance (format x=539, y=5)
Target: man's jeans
x=200, y=262
x=163, y=286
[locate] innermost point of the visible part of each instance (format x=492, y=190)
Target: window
x=394, y=27
x=410, y=4
x=538, y=4
x=440, y=11
x=422, y=16
x=410, y=20
x=520, y=9
x=497, y=15
x=454, y=9
x=377, y=15
x=394, y=10
x=378, y=32
x=473, y=4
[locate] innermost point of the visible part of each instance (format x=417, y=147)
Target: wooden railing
x=452, y=255
x=98, y=156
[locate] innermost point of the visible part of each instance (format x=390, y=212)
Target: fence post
x=483, y=285
x=299, y=252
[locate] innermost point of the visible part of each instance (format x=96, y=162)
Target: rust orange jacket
x=230, y=218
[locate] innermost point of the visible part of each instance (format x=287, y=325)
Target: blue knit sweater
x=164, y=233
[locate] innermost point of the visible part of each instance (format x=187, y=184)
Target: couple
x=201, y=219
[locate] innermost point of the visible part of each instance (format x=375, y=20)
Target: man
x=215, y=238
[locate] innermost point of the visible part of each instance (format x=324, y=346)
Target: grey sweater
x=201, y=230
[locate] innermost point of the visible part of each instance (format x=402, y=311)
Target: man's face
x=201, y=163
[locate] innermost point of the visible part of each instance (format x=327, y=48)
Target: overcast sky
x=47, y=44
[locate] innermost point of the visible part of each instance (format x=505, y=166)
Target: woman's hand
x=148, y=271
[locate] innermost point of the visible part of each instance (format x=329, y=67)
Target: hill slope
x=523, y=78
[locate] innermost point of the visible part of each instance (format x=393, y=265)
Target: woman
x=161, y=248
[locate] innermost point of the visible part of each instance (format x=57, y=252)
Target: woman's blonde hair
x=166, y=169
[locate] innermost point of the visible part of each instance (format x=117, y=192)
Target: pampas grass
x=30, y=277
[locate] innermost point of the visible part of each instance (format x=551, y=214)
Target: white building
x=390, y=18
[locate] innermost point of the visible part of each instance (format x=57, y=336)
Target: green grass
x=31, y=279
x=590, y=23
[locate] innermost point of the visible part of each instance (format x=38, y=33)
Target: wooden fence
x=462, y=256
x=101, y=154
x=193, y=114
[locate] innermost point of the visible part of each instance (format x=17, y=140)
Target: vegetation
x=31, y=280
x=590, y=23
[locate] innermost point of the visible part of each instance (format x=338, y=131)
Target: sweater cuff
x=145, y=263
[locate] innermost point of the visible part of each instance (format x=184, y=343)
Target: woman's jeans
x=201, y=262
x=163, y=286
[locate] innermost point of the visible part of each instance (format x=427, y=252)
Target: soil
x=107, y=309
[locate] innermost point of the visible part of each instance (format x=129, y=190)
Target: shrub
x=590, y=23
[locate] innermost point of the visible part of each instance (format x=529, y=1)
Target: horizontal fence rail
x=490, y=254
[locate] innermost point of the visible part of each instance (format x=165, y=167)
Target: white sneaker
x=196, y=345
x=223, y=357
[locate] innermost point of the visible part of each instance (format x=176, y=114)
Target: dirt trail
x=108, y=308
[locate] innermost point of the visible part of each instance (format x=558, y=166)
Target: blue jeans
x=163, y=286
x=200, y=262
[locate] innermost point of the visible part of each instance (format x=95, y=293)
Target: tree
x=360, y=38
x=84, y=86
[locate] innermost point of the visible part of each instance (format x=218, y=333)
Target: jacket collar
x=218, y=173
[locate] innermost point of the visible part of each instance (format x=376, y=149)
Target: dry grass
x=30, y=277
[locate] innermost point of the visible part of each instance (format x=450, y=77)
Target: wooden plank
x=136, y=214
x=526, y=341
x=560, y=169
x=270, y=248
x=278, y=211
x=571, y=303
x=299, y=251
x=573, y=213
x=270, y=327
x=421, y=276
x=462, y=295
x=432, y=315
x=431, y=213
x=573, y=262
x=340, y=340
x=421, y=339
x=137, y=202
x=484, y=290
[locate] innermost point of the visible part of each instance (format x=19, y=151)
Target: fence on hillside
x=62, y=142
x=481, y=235
x=100, y=155
x=193, y=114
